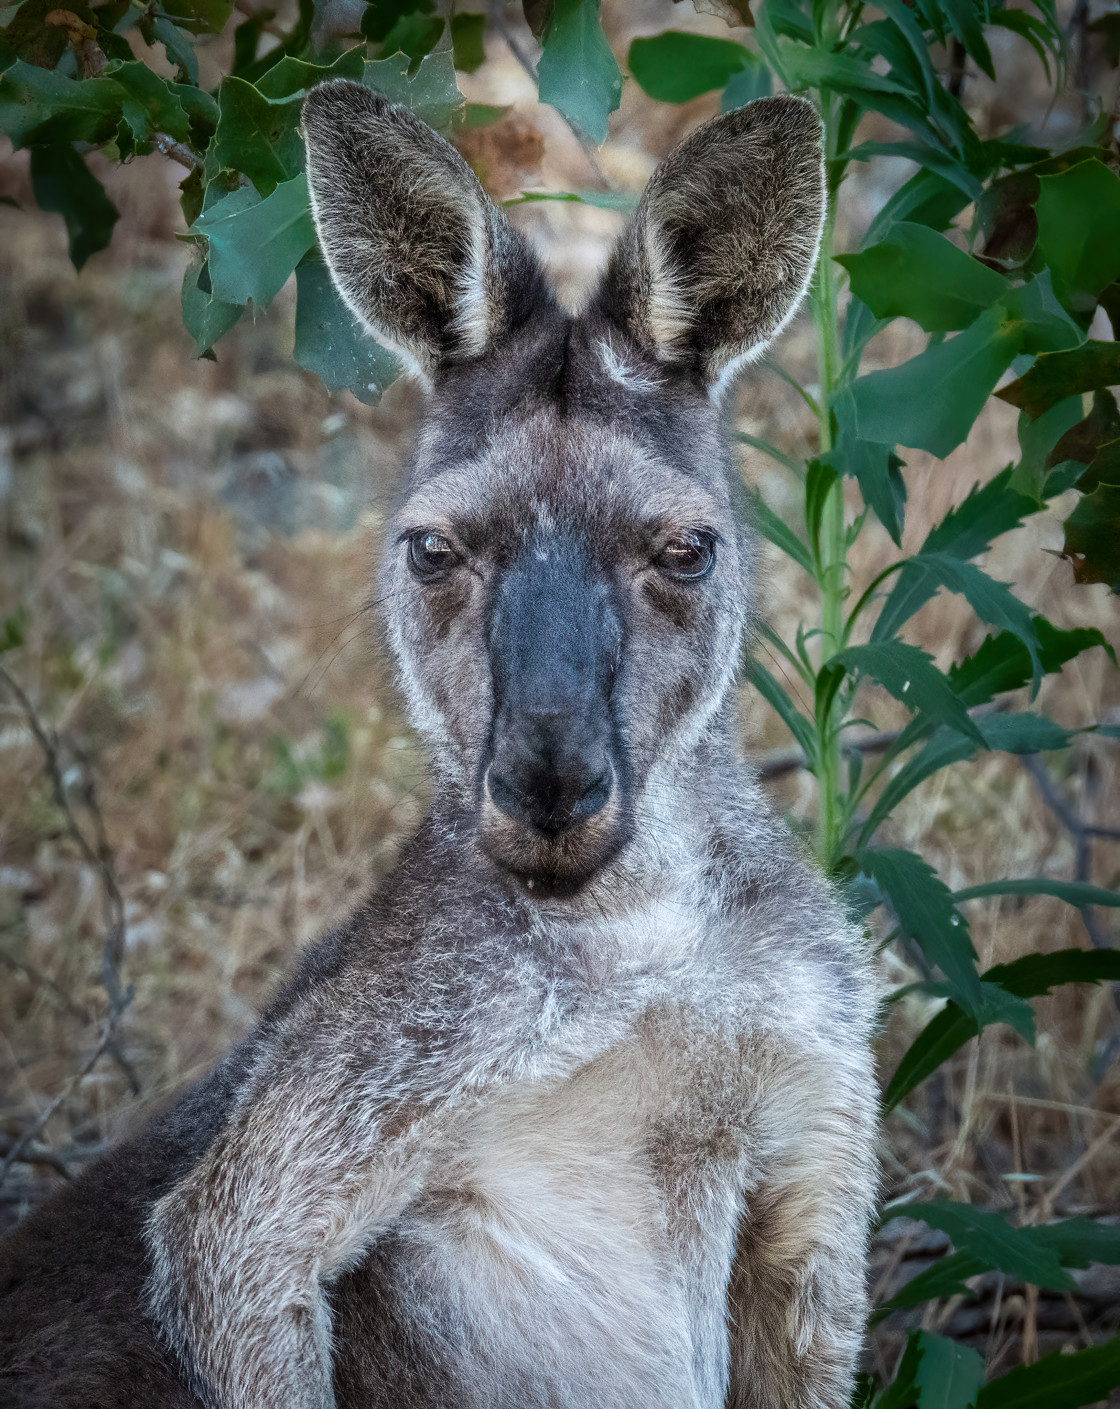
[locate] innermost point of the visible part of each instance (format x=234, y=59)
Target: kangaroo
x=579, y=1108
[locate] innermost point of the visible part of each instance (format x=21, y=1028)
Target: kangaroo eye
x=688, y=556
x=430, y=554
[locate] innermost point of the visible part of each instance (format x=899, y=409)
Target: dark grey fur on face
x=579, y=1108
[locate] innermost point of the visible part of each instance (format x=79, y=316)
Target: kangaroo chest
x=589, y=1224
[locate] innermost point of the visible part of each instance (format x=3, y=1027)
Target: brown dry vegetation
x=191, y=544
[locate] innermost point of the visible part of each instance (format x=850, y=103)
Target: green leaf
x=1092, y=537
x=678, y=66
x=1029, y=977
x=926, y=912
x=430, y=91
x=903, y=1389
x=1002, y=663
x=1079, y=231
x=931, y=401
x=990, y=1236
x=986, y=512
x=329, y=341
x=917, y=273
x=947, y=1277
x=178, y=47
x=928, y=198
x=949, y=1376
x=878, y=472
x=65, y=185
x=205, y=317
x=1077, y=893
x=151, y=104
x=1056, y=376
x=779, y=533
x=291, y=76
x=256, y=136
x=41, y=106
x=577, y=73
x=800, y=727
x=255, y=245
x=752, y=81
x=992, y=602
x=910, y=675
x=1058, y=1381
x=467, y=34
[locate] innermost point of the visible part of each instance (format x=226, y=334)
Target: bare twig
x=99, y=855
x=37, y=1126
x=1081, y=832
x=177, y=151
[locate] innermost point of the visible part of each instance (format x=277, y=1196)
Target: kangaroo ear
x=416, y=248
x=724, y=240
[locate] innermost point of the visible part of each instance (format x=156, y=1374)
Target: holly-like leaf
x=878, y=472
x=1092, y=537
x=1058, y=1381
x=1079, y=231
x=577, y=73
x=205, y=317
x=254, y=245
x=677, y=66
x=925, y=910
x=150, y=104
x=329, y=341
x=63, y=183
x=917, y=273
x=909, y=674
x=291, y=76
x=42, y=106
x=1056, y=376
x=931, y=401
x=256, y=136
x=430, y=90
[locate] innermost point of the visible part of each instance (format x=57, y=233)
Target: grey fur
x=609, y=1145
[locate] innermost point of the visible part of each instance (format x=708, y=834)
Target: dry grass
x=191, y=544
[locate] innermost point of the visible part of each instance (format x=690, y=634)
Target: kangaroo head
x=566, y=582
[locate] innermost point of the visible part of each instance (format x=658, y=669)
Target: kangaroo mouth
x=550, y=860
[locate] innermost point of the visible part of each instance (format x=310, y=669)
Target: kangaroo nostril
x=594, y=798
x=550, y=800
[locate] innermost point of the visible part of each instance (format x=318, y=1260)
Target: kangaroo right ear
x=416, y=248
x=722, y=246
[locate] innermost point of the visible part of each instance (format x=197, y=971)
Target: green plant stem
x=832, y=563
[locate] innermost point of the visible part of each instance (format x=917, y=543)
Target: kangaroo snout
x=552, y=772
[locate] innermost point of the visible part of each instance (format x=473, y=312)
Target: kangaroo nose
x=550, y=797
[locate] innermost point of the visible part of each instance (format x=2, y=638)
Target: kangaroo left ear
x=724, y=241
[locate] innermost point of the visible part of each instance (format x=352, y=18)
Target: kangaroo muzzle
x=550, y=786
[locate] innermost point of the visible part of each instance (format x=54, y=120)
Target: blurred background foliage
x=206, y=761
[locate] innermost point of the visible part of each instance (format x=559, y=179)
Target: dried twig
x=1081, y=832
x=39, y=1124
x=98, y=854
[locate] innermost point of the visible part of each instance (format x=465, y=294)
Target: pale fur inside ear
x=415, y=248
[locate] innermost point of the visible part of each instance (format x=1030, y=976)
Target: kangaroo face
x=566, y=581
x=567, y=606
